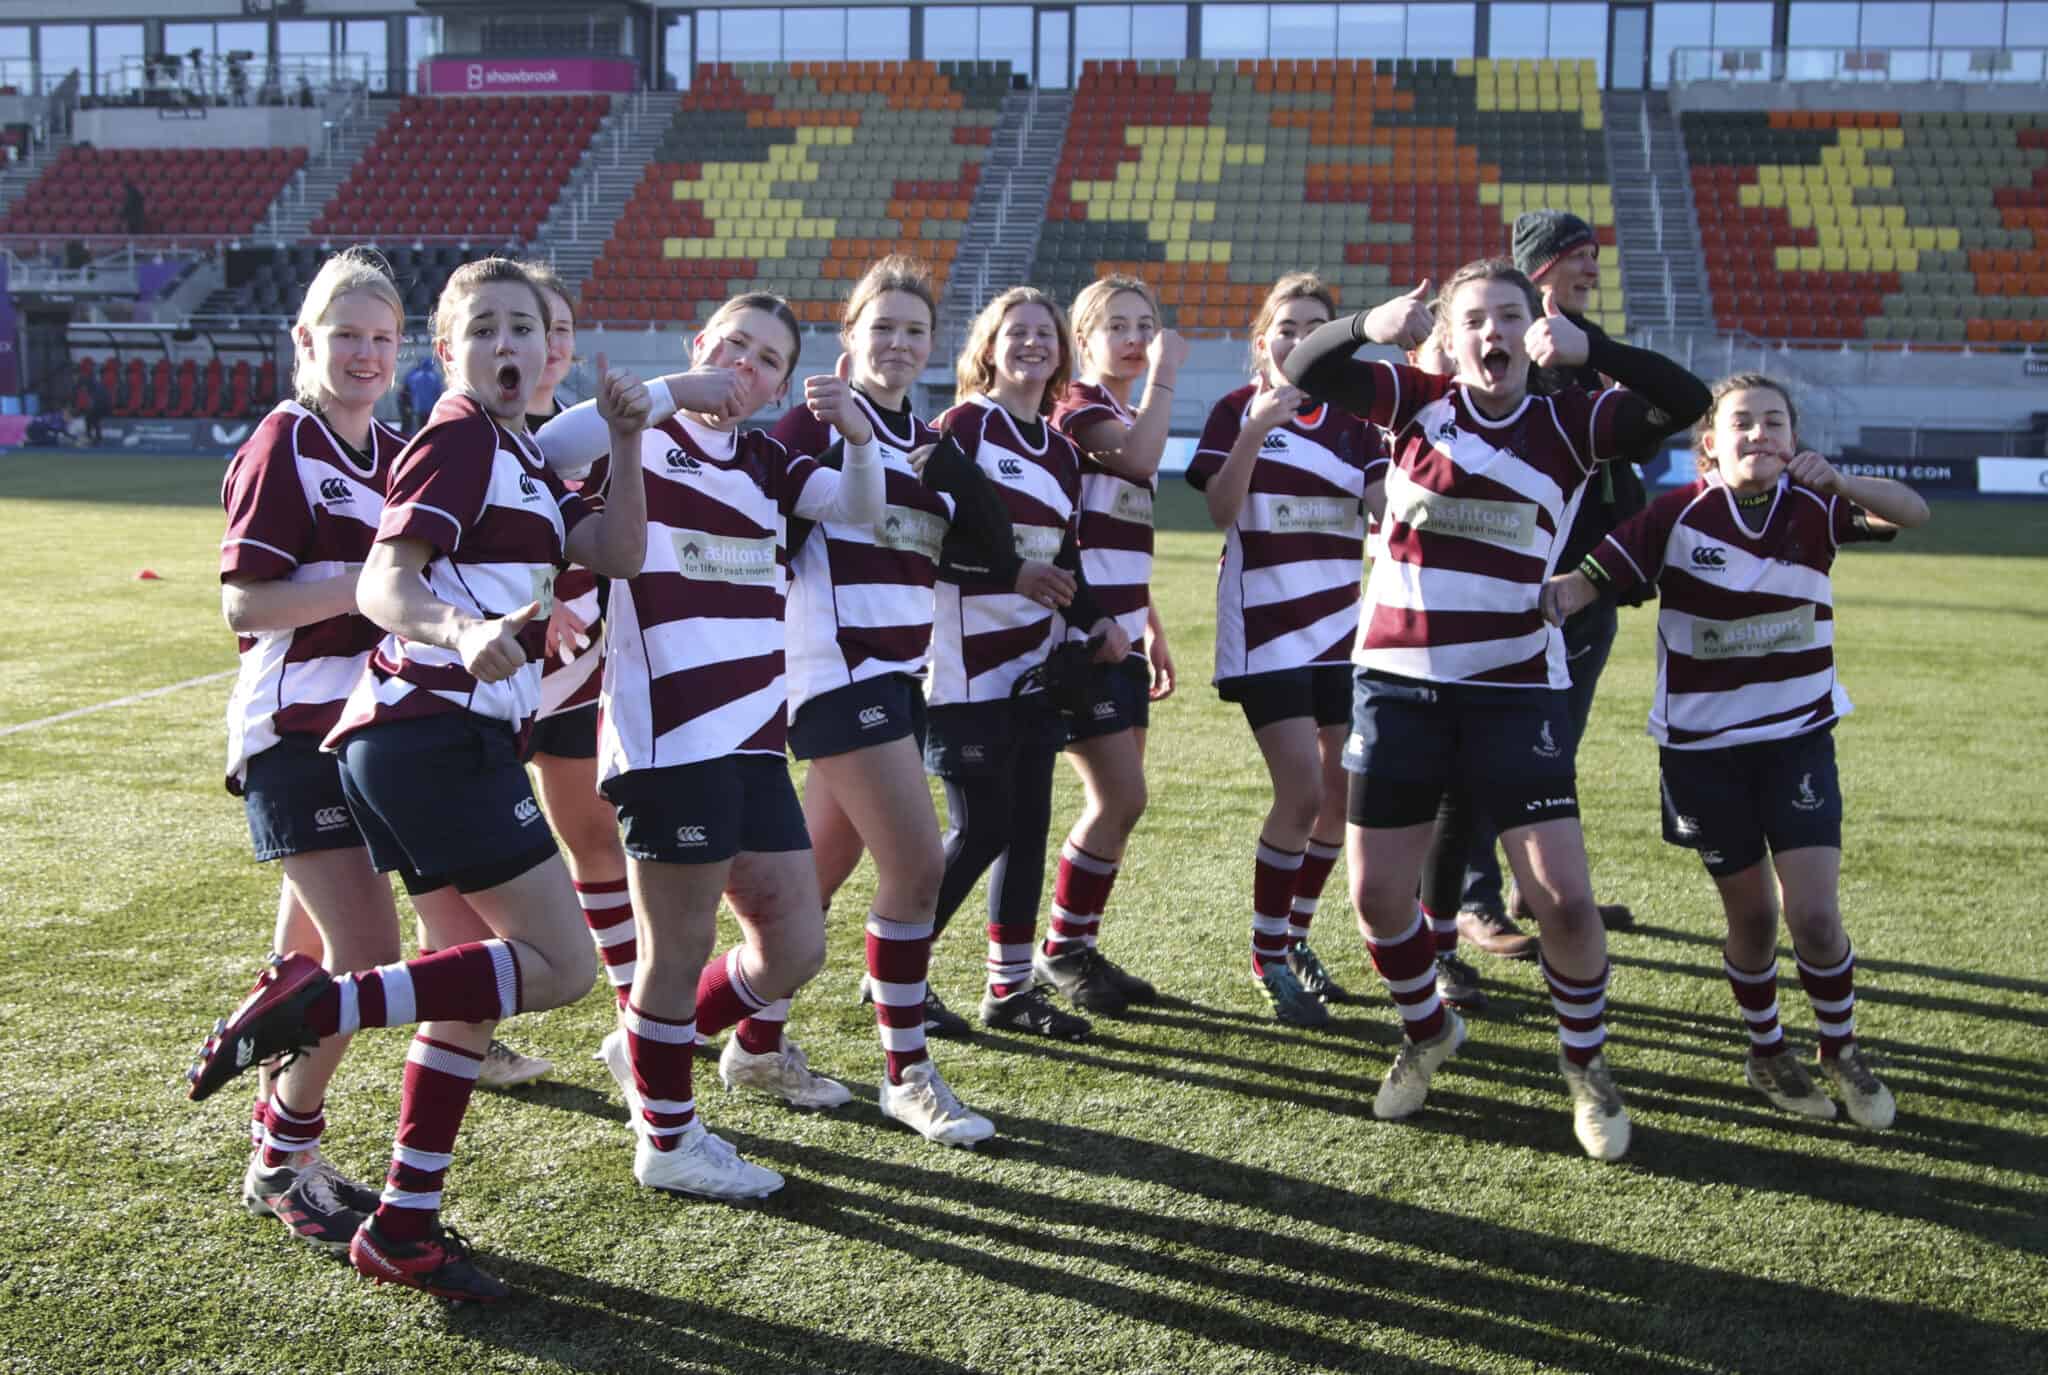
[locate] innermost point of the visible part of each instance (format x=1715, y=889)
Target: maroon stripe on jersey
x=656, y=595
x=1683, y=673
x=1821, y=708
x=771, y=738
x=1433, y=468
x=679, y=697
x=337, y=637
x=505, y=535
x=1282, y=479
x=682, y=507
x=996, y=647
x=1117, y=599
x=1338, y=651
x=892, y=644
x=852, y=563
x=307, y=718
x=1264, y=550
x=1400, y=628
x=1698, y=597
x=1264, y=624
x=573, y=582
x=1100, y=530
x=1456, y=554
x=433, y=677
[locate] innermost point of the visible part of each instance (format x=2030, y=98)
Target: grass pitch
x=1197, y=1189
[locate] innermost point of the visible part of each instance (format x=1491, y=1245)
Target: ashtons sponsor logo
x=526, y=812
x=1506, y=524
x=330, y=818
x=1133, y=504
x=870, y=717
x=1753, y=635
x=336, y=490
x=1038, y=543
x=1314, y=516
x=1546, y=744
x=690, y=835
x=680, y=462
x=1710, y=556
x=912, y=531
x=735, y=559
x=1010, y=467
x=1807, y=800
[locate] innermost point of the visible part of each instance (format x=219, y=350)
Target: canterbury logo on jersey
x=529, y=490
x=526, y=812
x=690, y=835
x=1010, y=467
x=1273, y=443
x=870, y=717
x=682, y=462
x=330, y=818
x=1446, y=432
x=1709, y=556
x=336, y=489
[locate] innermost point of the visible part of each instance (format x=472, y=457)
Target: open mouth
x=1495, y=364
x=508, y=380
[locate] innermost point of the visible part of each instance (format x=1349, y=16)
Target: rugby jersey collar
x=1035, y=450
x=1485, y=421
x=355, y=460
x=880, y=419
x=1312, y=421
x=1770, y=512
x=717, y=445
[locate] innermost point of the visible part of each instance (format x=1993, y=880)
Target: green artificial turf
x=1196, y=1189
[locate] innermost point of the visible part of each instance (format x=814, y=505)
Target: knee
x=1298, y=812
x=1565, y=916
x=571, y=973
x=1816, y=928
x=797, y=956
x=1383, y=910
x=917, y=887
x=1123, y=811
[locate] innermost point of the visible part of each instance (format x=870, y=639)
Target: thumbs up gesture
x=621, y=399
x=490, y=650
x=1554, y=341
x=831, y=400
x=1405, y=321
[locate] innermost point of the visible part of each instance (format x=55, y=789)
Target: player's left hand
x=1161, y=660
x=1814, y=473
x=830, y=399
x=622, y=399
x=566, y=634
x=1555, y=342
x=1116, y=644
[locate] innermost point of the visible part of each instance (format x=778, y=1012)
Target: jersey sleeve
x=802, y=484
x=1849, y=523
x=1219, y=435
x=269, y=521
x=438, y=487
x=575, y=510
x=1633, y=554
x=800, y=432
x=1372, y=453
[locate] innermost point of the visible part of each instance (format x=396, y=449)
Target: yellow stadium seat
x=1859, y=259
x=1948, y=240
x=1809, y=260
x=1786, y=259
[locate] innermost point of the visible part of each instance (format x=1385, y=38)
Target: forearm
x=856, y=497
x=1322, y=365
x=1672, y=397
x=616, y=543
x=1892, y=502
x=1082, y=610
x=1145, y=444
x=579, y=436
x=398, y=600
x=251, y=608
x=1226, y=491
x=981, y=528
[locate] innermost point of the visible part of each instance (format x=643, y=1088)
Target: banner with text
x=524, y=76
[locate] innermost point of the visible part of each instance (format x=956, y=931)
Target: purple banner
x=10, y=338
x=524, y=76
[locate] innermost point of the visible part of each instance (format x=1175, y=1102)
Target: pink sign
x=524, y=76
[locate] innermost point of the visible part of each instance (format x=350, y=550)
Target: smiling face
x=1572, y=278
x=754, y=344
x=495, y=345
x=1487, y=322
x=561, y=350
x=1027, y=348
x=1116, y=343
x=891, y=341
x=1290, y=325
x=352, y=352
x=1751, y=439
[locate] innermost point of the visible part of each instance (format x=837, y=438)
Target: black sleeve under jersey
x=1083, y=611
x=1665, y=398
x=981, y=543
x=1322, y=365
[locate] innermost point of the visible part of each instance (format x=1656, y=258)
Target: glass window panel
x=1818, y=32
x=117, y=57
x=1159, y=31
x=1103, y=32
x=1006, y=36
x=370, y=39
x=1371, y=30
x=675, y=52
x=1234, y=30
x=1972, y=24
x=1580, y=31
x=422, y=41
x=240, y=37
x=66, y=48
x=1745, y=25
x=878, y=35
x=304, y=37
x=14, y=41
x=1627, y=69
x=1054, y=33
x=1518, y=31
x=181, y=39
x=2026, y=24
x=1442, y=30
x=1302, y=30
x=750, y=35
x=1899, y=25
x=813, y=35
x=1673, y=27
x=949, y=32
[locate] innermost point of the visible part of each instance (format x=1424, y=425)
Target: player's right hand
x=716, y=392
x=1045, y=584
x=1404, y=321
x=490, y=650
x=1273, y=407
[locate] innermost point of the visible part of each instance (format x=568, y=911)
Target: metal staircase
x=576, y=229
x=1663, y=269
x=308, y=192
x=19, y=176
x=1003, y=223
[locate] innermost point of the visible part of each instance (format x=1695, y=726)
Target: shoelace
x=1859, y=1074
x=319, y=1187
x=1601, y=1084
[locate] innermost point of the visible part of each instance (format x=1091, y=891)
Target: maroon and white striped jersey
x=1116, y=515
x=1287, y=584
x=860, y=596
x=1477, y=510
x=570, y=686
x=1746, y=615
x=480, y=494
x=694, y=649
x=302, y=506
x=984, y=636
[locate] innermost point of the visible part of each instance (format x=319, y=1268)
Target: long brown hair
x=975, y=372
x=1741, y=381
x=1295, y=286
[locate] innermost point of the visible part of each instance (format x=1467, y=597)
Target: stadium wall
x=251, y=127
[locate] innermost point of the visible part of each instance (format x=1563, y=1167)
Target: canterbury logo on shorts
x=330, y=818
x=870, y=717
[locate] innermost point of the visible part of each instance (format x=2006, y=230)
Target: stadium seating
x=469, y=167
x=163, y=390
x=794, y=178
x=272, y=281
x=192, y=192
x=1210, y=179
x=1926, y=229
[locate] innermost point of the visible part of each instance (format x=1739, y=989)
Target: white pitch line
x=120, y=701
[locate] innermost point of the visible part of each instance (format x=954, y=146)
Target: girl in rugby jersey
x=473, y=528
x=1745, y=707
x=1286, y=482
x=993, y=737
x=1461, y=681
x=860, y=622
x=303, y=498
x=1117, y=337
x=693, y=729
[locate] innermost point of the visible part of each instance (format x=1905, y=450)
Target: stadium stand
x=470, y=167
x=195, y=192
x=1921, y=228
x=272, y=281
x=794, y=178
x=1212, y=178
x=140, y=390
